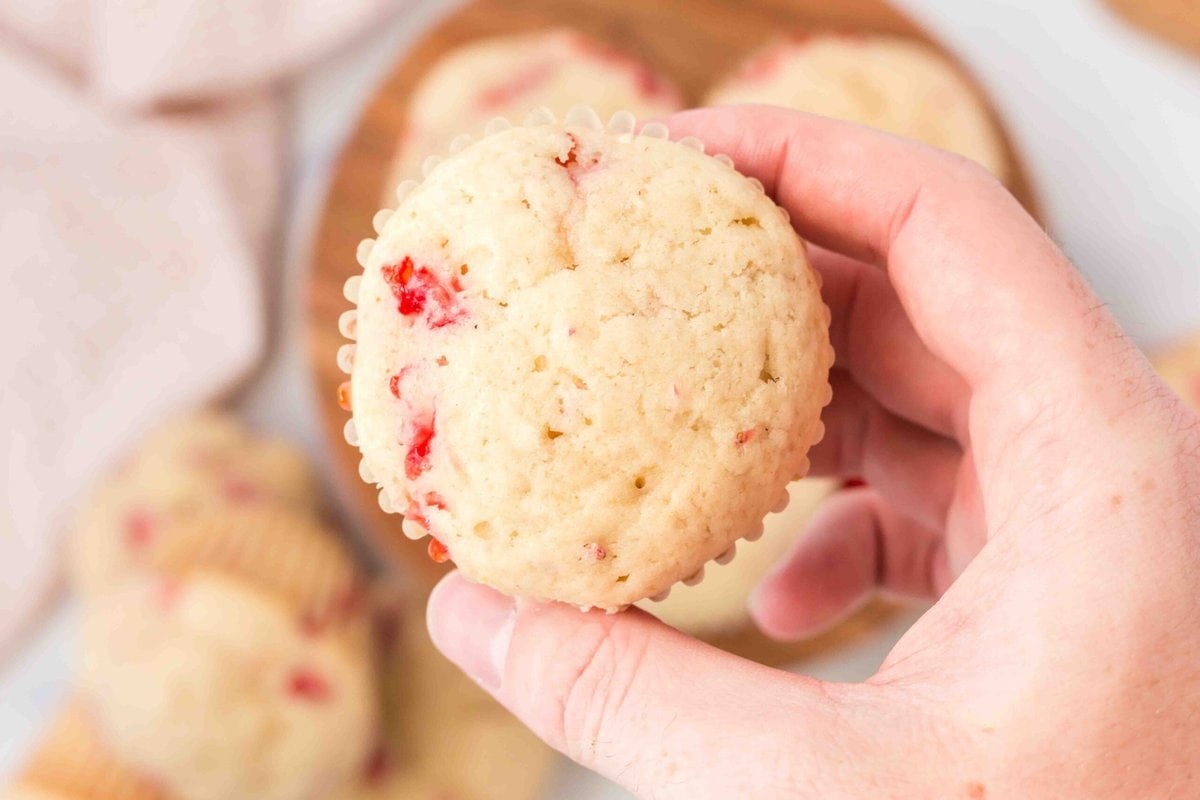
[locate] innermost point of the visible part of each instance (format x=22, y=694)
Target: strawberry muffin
x=1180, y=368
x=718, y=604
x=588, y=361
x=894, y=84
x=238, y=664
x=508, y=76
x=195, y=465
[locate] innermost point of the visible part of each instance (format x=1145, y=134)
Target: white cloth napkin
x=140, y=147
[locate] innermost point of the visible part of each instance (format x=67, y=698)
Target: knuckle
x=589, y=685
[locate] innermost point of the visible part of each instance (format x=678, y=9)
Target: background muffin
x=445, y=739
x=894, y=84
x=238, y=664
x=195, y=465
x=508, y=76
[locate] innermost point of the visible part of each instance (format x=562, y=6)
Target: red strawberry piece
x=647, y=80
x=307, y=684
x=378, y=766
x=166, y=594
x=525, y=81
x=417, y=460
x=576, y=166
x=140, y=528
x=240, y=490
x=419, y=292
x=416, y=513
x=437, y=551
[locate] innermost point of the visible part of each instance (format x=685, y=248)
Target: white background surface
x=1108, y=121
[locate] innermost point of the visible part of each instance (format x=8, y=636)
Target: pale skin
x=1027, y=470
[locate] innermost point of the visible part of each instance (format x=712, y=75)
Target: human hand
x=1025, y=464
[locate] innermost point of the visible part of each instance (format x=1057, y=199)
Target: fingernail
x=472, y=625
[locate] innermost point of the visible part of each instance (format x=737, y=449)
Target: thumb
x=656, y=711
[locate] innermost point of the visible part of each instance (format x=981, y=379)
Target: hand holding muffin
x=1017, y=446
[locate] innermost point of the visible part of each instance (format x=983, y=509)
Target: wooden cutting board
x=1175, y=21
x=695, y=42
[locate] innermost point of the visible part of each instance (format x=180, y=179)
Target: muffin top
x=894, y=84
x=222, y=690
x=507, y=76
x=238, y=660
x=197, y=465
x=588, y=361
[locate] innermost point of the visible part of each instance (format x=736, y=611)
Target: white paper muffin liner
x=625, y=125
x=285, y=553
x=72, y=761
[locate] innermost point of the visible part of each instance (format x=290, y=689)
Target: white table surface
x=1108, y=120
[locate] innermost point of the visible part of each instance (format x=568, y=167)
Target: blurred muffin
x=509, y=76
x=717, y=604
x=72, y=763
x=1180, y=368
x=239, y=663
x=214, y=439
x=446, y=738
x=894, y=84
x=195, y=465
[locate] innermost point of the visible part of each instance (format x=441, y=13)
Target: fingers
x=982, y=284
x=647, y=706
x=854, y=544
x=912, y=467
x=875, y=342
